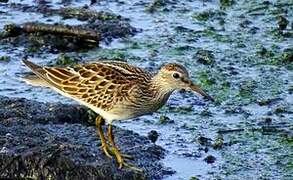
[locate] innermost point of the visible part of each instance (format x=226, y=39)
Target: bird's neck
x=159, y=90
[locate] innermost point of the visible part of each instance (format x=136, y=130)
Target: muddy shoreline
x=41, y=140
x=240, y=52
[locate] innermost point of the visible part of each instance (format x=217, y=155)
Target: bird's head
x=174, y=76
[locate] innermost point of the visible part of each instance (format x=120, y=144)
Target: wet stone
x=267, y=101
x=153, y=136
x=205, y=57
x=282, y=22
x=106, y=25
x=43, y=140
x=4, y=58
x=265, y=120
x=226, y=3
x=165, y=120
x=210, y=159
x=204, y=141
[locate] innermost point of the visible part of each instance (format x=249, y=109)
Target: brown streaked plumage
x=115, y=90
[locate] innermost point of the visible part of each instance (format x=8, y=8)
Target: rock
x=265, y=120
x=226, y=3
x=287, y=55
x=165, y=120
x=46, y=140
x=204, y=141
x=210, y=159
x=281, y=108
x=4, y=58
x=156, y=4
x=153, y=136
x=204, y=57
x=206, y=112
x=282, y=22
x=267, y=101
x=106, y=25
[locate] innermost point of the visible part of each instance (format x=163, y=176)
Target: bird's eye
x=176, y=75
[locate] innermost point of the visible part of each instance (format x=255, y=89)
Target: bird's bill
x=197, y=89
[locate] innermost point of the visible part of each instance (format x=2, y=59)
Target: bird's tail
x=34, y=79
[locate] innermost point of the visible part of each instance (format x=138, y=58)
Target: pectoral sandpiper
x=115, y=90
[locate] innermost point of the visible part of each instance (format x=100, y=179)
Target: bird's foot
x=130, y=166
x=125, y=156
x=106, y=149
x=110, y=152
x=121, y=163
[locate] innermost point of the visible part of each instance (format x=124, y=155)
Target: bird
x=115, y=90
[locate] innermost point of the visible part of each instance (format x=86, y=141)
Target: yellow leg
x=117, y=153
x=114, y=147
x=105, y=147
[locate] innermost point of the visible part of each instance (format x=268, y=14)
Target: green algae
x=155, y=5
x=64, y=59
x=249, y=76
x=85, y=14
x=207, y=14
x=251, y=143
x=226, y=3
x=205, y=57
x=114, y=54
x=216, y=83
x=4, y=58
x=165, y=120
x=182, y=109
x=282, y=58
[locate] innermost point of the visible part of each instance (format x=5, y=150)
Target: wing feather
x=102, y=84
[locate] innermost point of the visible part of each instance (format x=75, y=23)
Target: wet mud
x=240, y=52
x=41, y=140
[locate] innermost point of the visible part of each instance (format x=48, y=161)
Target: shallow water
x=242, y=75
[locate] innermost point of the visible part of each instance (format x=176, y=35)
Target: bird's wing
x=126, y=67
x=100, y=84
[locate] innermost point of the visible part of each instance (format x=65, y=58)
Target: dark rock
x=165, y=120
x=287, y=55
x=153, y=136
x=4, y=58
x=204, y=141
x=106, y=25
x=281, y=108
x=226, y=3
x=155, y=5
x=206, y=112
x=182, y=29
x=204, y=57
x=113, y=28
x=267, y=101
x=247, y=86
x=282, y=22
x=210, y=159
x=45, y=140
x=265, y=120
x=290, y=89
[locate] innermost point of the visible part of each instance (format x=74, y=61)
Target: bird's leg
x=117, y=154
x=114, y=147
x=104, y=146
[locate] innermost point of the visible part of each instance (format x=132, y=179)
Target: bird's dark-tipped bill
x=197, y=89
